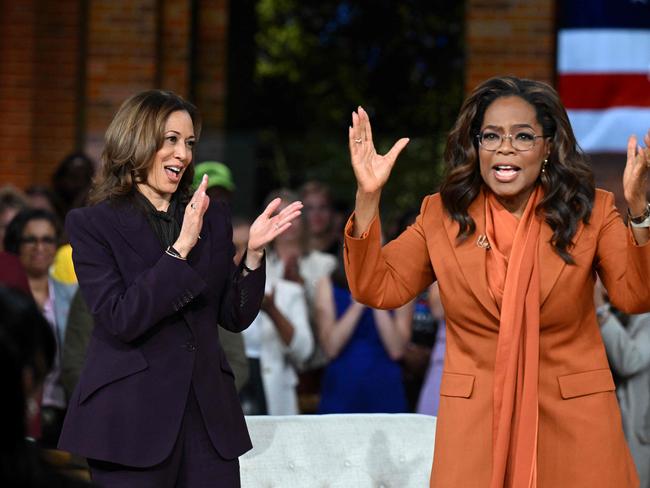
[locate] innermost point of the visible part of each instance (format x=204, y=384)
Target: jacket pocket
x=586, y=383
x=457, y=385
x=105, y=365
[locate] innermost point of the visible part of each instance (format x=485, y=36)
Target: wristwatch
x=642, y=220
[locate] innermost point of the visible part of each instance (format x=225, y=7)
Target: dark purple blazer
x=155, y=334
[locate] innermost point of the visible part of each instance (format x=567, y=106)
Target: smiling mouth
x=505, y=172
x=173, y=172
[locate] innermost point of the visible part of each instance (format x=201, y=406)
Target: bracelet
x=174, y=253
x=243, y=262
x=642, y=220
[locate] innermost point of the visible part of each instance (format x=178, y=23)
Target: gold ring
x=358, y=141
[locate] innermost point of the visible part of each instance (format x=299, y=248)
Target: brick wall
x=210, y=52
x=56, y=81
x=38, y=76
x=121, y=60
x=509, y=37
x=67, y=66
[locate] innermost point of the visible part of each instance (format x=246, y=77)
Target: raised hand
x=370, y=169
x=193, y=219
x=268, y=226
x=635, y=176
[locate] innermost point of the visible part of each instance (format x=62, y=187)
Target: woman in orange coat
x=515, y=239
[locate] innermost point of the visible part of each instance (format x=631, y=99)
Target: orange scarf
x=513, y=277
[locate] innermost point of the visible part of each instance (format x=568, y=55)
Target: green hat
x=218, y=175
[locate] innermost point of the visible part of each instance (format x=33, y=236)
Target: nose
x=506, y=148
x=181, y=152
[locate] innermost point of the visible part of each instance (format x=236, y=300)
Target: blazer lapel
x=471, y=257
x=137, y=233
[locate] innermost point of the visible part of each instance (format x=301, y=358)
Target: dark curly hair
x=567, y=181
x=132, y=139
x=14, y=234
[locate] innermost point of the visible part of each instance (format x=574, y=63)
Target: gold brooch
x=483, y=242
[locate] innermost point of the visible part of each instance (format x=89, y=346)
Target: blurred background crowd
x=276, y=82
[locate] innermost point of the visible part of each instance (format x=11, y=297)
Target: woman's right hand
x=370, y=169
x=193, y=219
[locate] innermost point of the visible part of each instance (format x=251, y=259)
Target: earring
x=544, y=165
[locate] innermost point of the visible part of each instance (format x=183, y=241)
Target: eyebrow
x=178, y=133
x=515, y=126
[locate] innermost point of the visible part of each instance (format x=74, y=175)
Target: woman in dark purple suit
x=156, y=404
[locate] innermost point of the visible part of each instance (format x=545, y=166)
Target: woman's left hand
x=268, y=226
x=635, y=176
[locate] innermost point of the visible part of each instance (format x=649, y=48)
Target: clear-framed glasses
x=523, y=140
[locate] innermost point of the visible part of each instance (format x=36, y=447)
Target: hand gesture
x=268, y=226
x=635, y=176
x=370, y=169
x=193, y=219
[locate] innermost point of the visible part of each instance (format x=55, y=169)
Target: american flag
x=603, y=66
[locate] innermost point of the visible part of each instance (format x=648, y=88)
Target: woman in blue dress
x=364, y=346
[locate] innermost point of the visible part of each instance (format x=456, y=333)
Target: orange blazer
x=581, y=442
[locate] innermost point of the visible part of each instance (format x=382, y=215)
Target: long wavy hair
x=567, y=180
x=132, y=139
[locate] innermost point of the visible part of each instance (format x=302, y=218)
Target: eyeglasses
x=520, y=141
x=33, y=241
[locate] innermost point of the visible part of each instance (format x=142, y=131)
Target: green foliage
x=318, y=60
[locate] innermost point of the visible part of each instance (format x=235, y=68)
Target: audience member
x=77, y=336
x=62, y=268
x=27, y=350
x=39, y=196
x=72, y=181
x=12, y=273
x=278, y=340
x=422, y=316
x=429, y=399
x=220, y=182
x=627, y=342
x=12, y=201
x=364, y=346
x=32, y=236
x=322, y=232
x=291, y=259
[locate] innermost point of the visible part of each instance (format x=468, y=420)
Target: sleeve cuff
x=350, y=225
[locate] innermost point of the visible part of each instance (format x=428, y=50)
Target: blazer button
x=190, y=347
